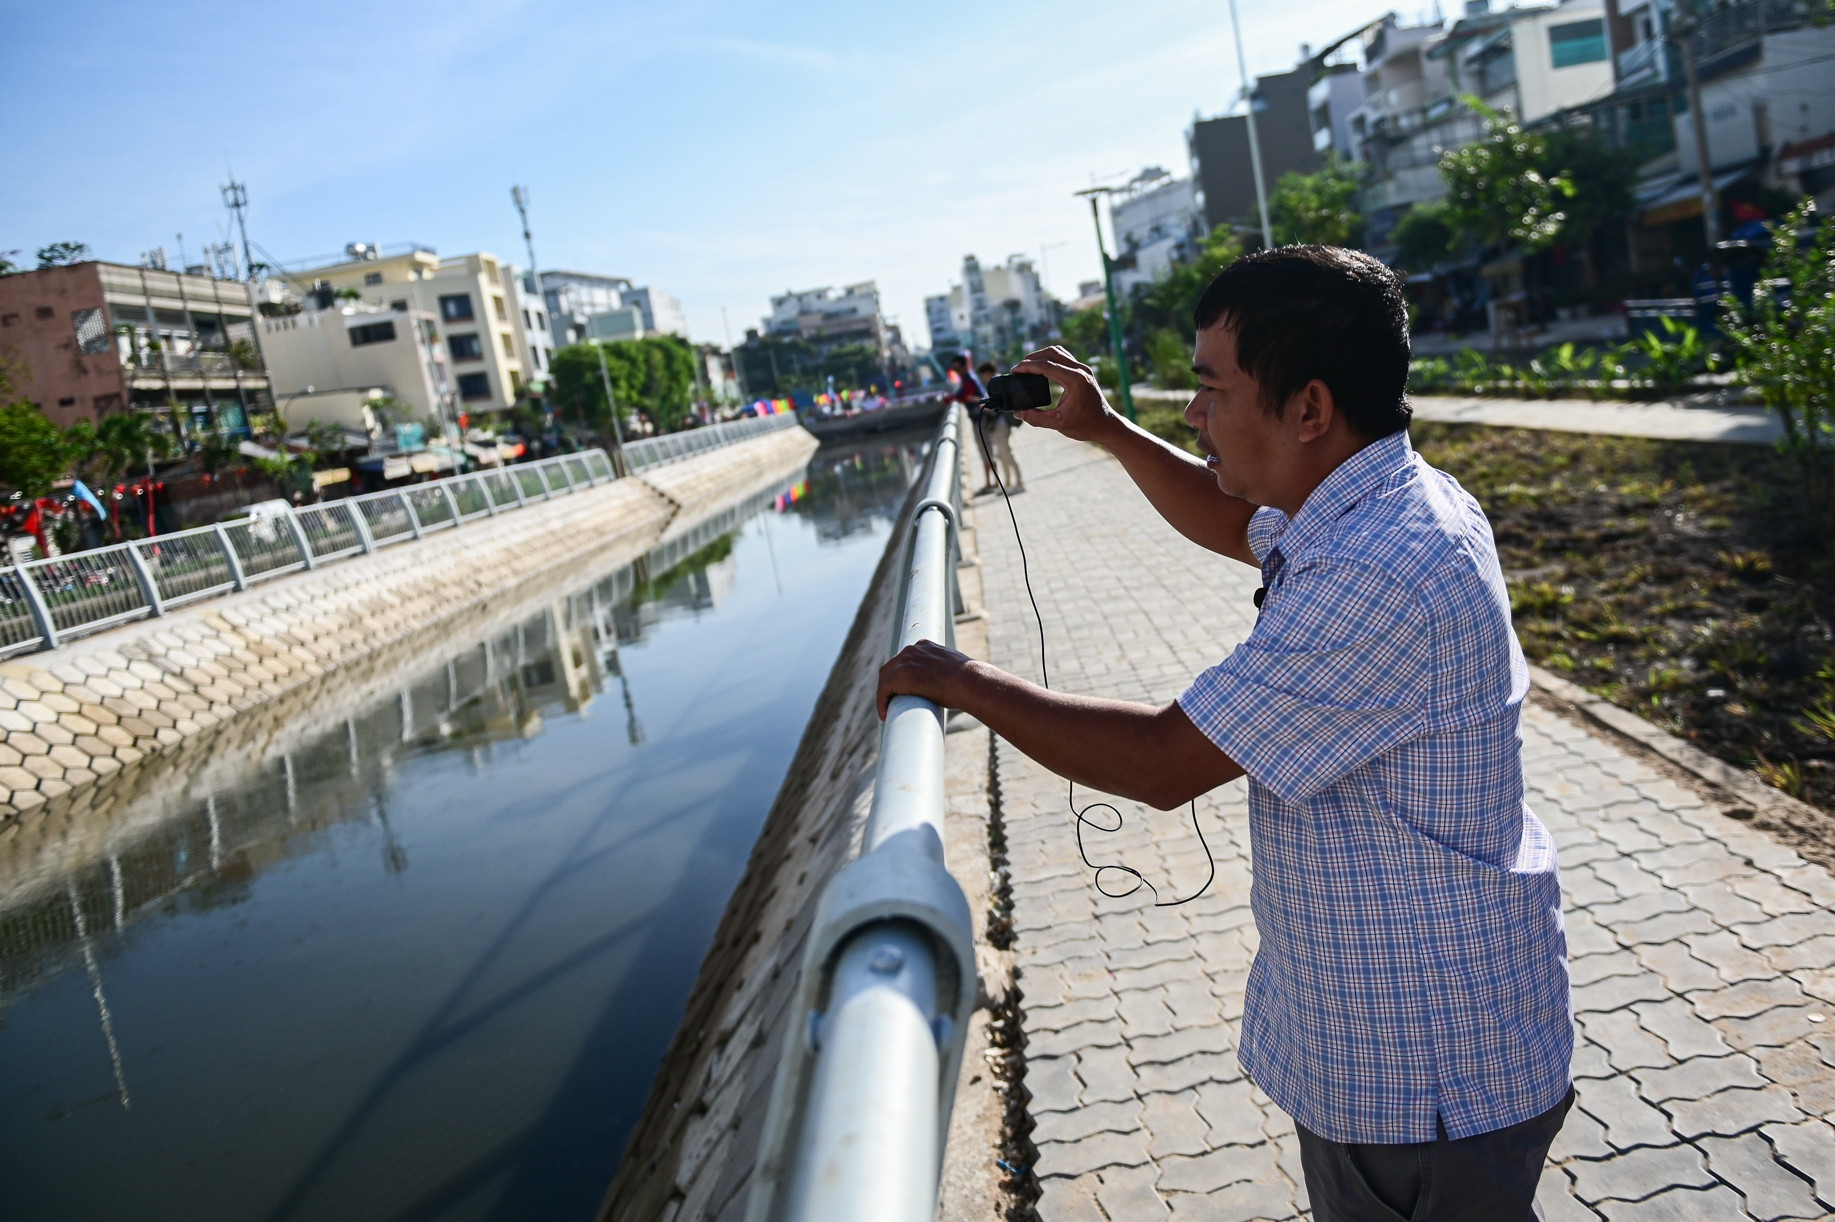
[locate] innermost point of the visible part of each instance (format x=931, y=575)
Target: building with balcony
x=475, y=297
x=1157, y=220
x=98, y=337
x=826, y=318
x=996, y=311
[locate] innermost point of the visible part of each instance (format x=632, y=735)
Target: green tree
x=1159, y=323
x=1424, y=236
x=1319, y=208
x=62, y=254
x=1498, y=192
x=1782, y=347
x=121, y=444
x=33, y=452
x=653, y=375
x=1086, y=333
x=7, y=266
x=218, y=451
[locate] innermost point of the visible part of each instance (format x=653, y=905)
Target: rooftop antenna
x=520, y=195
x=235, y=198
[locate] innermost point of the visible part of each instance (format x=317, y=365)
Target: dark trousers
x=1488, y=1178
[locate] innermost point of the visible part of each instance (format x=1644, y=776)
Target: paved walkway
x=1664, y=421
x=1702, y=952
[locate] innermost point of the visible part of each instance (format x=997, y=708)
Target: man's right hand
x=1081, y=412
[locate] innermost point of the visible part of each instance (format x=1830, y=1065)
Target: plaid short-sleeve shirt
x=1413, y=965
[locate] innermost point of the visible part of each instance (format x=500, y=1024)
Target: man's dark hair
x=1305, y=312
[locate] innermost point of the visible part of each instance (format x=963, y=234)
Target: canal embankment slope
x=75, y=720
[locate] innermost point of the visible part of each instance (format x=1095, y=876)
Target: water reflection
x=424, y=963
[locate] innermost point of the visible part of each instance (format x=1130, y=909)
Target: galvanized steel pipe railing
x=861, y=1103
x=45, y=602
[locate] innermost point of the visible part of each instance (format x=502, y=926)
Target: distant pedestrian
x=969, y=392
x=1000, y=435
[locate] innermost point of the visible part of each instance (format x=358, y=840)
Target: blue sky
x=719, y=149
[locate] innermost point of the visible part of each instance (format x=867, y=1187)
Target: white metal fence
x=44, y=602
x=867, y=1075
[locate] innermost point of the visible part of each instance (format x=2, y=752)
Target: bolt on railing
x=866, y=1080
x=43, y=602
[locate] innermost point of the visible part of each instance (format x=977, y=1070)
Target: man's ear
x=1313, y=410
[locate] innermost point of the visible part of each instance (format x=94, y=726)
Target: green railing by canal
x=45, y=602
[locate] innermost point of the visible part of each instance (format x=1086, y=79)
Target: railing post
x=229, y=556
x=522, y=500
x=149, y=588
x=360, y=524
x=452, y=502
x=35, y=602
x=414, y=519
x=300, y=540
x=481, y=483
x=541, y=473
x=560, y=465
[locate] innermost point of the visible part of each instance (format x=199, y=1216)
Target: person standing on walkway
x=1000, y=435
x=1408, y=1005
x=969, y=392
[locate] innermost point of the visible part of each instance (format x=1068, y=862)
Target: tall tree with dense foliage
x=1498, y=190
x=1424, y=236
x=1784, y=347
x=654, y=376
x=1158, y=321
x=33, y=453
x=1321, y=207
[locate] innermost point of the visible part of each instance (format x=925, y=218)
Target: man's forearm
x=1183, y=489
x=1136, y=751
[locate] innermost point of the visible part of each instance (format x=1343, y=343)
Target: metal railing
x=867, y=1076
x=44, y=602
x=655, y=451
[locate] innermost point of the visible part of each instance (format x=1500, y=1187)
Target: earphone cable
x=1083, y=816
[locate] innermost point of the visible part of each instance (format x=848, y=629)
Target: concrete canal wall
x=691, y=1156
x=209, y=683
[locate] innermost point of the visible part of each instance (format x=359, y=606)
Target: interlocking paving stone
x=1771, y=1190
x=1694, y=1079
x=1716, y=1204
x=1639, y=1174
x=1728, y=1112
x=1699, y=947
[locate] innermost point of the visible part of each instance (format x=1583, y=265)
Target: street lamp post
x=1108, y=288
x=1255, y=144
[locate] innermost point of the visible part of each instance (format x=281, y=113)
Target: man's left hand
x=926, y=669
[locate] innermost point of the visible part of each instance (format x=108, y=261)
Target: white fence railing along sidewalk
x=867, y=1074
x=44, y=602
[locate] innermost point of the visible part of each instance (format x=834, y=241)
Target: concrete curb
x=1739, y=783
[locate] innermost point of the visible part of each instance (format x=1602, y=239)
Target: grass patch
x=1676, y=579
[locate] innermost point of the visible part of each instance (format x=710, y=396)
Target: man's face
x=1243, y=444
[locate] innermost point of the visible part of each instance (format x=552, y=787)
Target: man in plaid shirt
x=1409, y=1003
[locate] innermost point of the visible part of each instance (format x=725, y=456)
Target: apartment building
x=476, y=299
x=585, y=305
x=828, y=317
x=1157, y=220
x=999, y=310
x=940, y=320
x=364, y=348
x=98, y=337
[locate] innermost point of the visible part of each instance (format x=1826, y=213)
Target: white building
x=1157, y=220
x=827, y=317
x=574, y=297
x=662, y=314
x=997, y=309
x=943, y=334
x=477, y=304
x=362, y=348
x=536, y=335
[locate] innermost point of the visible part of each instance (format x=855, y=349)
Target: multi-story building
x=98, y=337
x=584, y=305
x=536, y=335
x=1220, y=161
x=999, y=310
x=475, y=297
x=937, y=315
x=826, y=317
x=364, y=348
x=1157, y=220
x=1337, y=93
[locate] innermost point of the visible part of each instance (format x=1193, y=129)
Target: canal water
x=425, y=965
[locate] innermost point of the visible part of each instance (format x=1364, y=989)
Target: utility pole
x=1682, y=29
x=611, y=402
x=235, y=198
x=1255, y=144
x=1108, y=287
